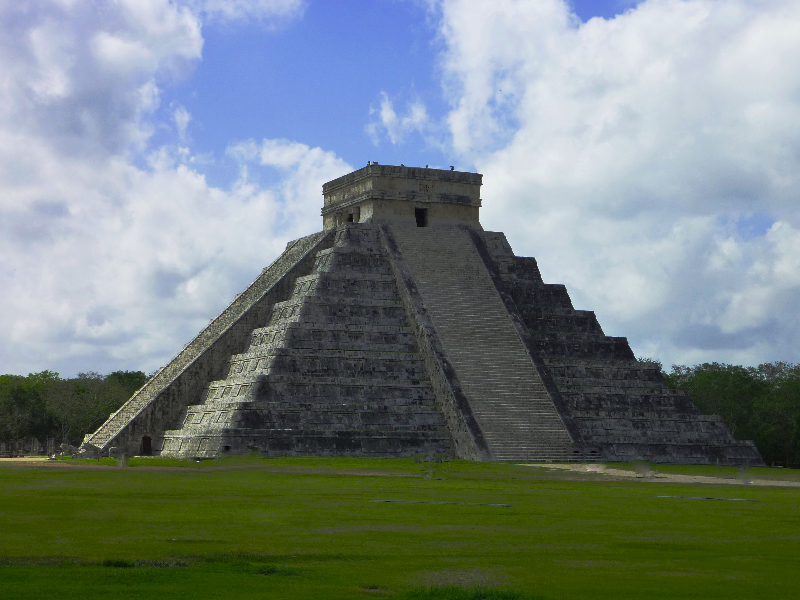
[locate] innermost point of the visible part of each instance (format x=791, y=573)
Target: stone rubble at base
x=404, y=329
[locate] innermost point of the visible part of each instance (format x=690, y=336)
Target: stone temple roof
x=412, y=184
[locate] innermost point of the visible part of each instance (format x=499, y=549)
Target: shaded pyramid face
x=336, y=371
x=621, y=409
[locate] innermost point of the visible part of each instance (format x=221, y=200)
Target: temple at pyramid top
x=404, y=328
x=413, y=195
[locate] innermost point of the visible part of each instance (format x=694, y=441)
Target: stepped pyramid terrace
x=404, y=328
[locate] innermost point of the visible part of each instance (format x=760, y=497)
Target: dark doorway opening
x=354, y=216
x=147, y=446
x=421, y=215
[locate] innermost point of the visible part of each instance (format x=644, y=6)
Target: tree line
x=43, y=405
x=757, y=403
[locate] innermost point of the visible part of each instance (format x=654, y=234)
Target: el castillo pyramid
x=405, y=328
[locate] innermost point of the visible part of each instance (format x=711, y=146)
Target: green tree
x=81, y=405
x=130, y=381
x=22, y=406
x=758, y=403
x=729, y=391
x=43, y=405
x=777, y=414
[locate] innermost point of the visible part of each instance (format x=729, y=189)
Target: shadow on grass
x=252, y=564
x=246, y=563
x=119, y=563
x=122, y=563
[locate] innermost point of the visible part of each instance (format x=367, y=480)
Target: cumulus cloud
x=182, y=118
x=629, y=155
x=86, y=79
x=649, y=162
x=125, y=261
x=303, y=171
x=114, y=252
x=387, y=122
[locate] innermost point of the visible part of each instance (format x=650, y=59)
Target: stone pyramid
x=403, y=328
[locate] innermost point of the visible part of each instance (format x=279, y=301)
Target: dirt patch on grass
x=652, y=476
x=460, y=577
x=43, y=461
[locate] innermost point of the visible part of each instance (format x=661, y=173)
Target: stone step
x=312, y=325
x=345, y=277
x=319, y=443
x=363, y=285
x=342, y=297
x=356, y=260
x=610, y=348
x=277, y=379
x=663, y=415
x=308, y=345
x=591, y=404
x=370, y=251
x=309, y=302
x=383, y=405
x=356, y=316
x=313, y=361
x=321, y=432
x=318, y=420
x=322, y=353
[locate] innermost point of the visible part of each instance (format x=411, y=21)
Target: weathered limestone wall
x=399, y=211
x=390, y=193
x=158, y=405
x=407, y=183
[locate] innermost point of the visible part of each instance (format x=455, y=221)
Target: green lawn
x=311, y=528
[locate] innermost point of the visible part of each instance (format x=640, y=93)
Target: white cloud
x=397, y=128
x=247, y=10
x=113, y=264
x=85, y=79
x=114, y=254
x=303, y=171
x=114, y=53
x=182, y=118
x=629, y=156
x=622, y=153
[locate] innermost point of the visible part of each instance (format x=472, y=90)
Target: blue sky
x=155, y=155
x=315, y=79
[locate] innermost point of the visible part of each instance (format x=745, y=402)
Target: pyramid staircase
x=517, y=417
x=335, y=371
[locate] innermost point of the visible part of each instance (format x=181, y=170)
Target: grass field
x=316, y=528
